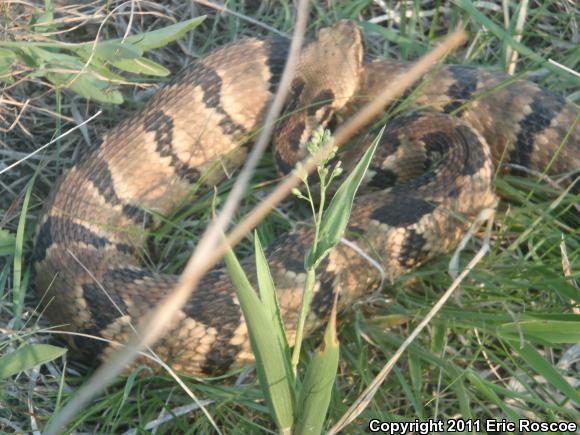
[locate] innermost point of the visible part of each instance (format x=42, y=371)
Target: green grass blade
x=26, y=357
x=141, y=65
x=271, y=362
x=415, y=368
x=129, y=384
x=316, y=389
x=4, y=274
x=108, y=51
x=552, y=331
x=335, y=218
x=526, y=398
x=483, y=388
x=89, y=86
x=539, y=364
x=504, y=36
x=268, y=294
x=439, y=333
x=7, y=242
x=18, y=287
x=7, y=58
x=160, y=37
x=408, y=393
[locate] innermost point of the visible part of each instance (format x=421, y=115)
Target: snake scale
x=432, y=174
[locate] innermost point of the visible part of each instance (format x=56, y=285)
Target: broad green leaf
x=335, y=218
x=539, y=364
x=268, y=294
x=7, y=58
x=159, y=38
x=101, y=69
x=91, y=87
x=88, y=86
x=551, y=331
x=316, y=389
x=109, y=51
x=42, y=55
x=141, y=65
x=26, y=357
x=7, y=242
x=271, y=363
x=84, y=83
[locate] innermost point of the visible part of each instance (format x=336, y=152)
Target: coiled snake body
x=432, y=173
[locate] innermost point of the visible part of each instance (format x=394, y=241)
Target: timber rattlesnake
x=433, y=171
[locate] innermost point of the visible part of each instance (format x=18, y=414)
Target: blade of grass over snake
x=268, y=293
x=336, y=216
x=209, y=252
x=272, y=362
x=342, y=135
x=26, y=357
x=318, y=382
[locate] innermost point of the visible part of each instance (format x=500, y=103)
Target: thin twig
x=66, y=133
x=511, y=54
x=564, y=67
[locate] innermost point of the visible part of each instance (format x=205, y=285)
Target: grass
x=469, y=363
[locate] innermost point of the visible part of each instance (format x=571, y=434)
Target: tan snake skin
x=432, y=174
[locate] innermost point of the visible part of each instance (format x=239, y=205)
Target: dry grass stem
x=511, y=54
x=567, y=270
x=66, y=133
x=564, y=68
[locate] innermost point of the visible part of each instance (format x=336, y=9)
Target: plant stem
x=304, y=310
